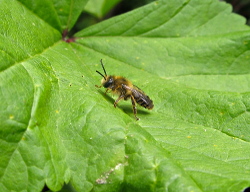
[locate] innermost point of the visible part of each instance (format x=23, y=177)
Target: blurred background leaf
x=99, y=8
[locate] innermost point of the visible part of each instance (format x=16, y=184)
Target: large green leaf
x=190, y=57
x=62, y=14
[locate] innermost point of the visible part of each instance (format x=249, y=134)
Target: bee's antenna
x=101, y=75
x=103, y=67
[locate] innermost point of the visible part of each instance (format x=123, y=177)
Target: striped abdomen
x=141, y=98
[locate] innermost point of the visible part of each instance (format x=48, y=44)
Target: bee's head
x=107, y=80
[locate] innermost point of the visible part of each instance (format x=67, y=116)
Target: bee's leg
x=118, y=99
x=107, y=91
x=134, y=107
x=98, y=86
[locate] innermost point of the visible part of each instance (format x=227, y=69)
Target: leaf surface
x=100, y=8
x=61, y=15
x=57, y=127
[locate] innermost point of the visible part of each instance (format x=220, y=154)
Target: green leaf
x=59, y=14
x=100, y=8
x=190, y=57
x=173, y=19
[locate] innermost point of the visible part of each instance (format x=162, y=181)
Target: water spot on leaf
x=105, y=176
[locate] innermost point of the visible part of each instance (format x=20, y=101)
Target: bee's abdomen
x=144, y=101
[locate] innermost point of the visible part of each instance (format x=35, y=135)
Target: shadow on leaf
x=126, y=108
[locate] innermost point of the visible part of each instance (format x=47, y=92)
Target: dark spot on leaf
x=66, y=38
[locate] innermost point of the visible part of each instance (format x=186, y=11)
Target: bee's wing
x=137, y=92
x=140, y=97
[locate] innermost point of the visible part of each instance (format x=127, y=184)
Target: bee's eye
x=108, y=83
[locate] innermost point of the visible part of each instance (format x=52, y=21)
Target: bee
x=126, y=90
